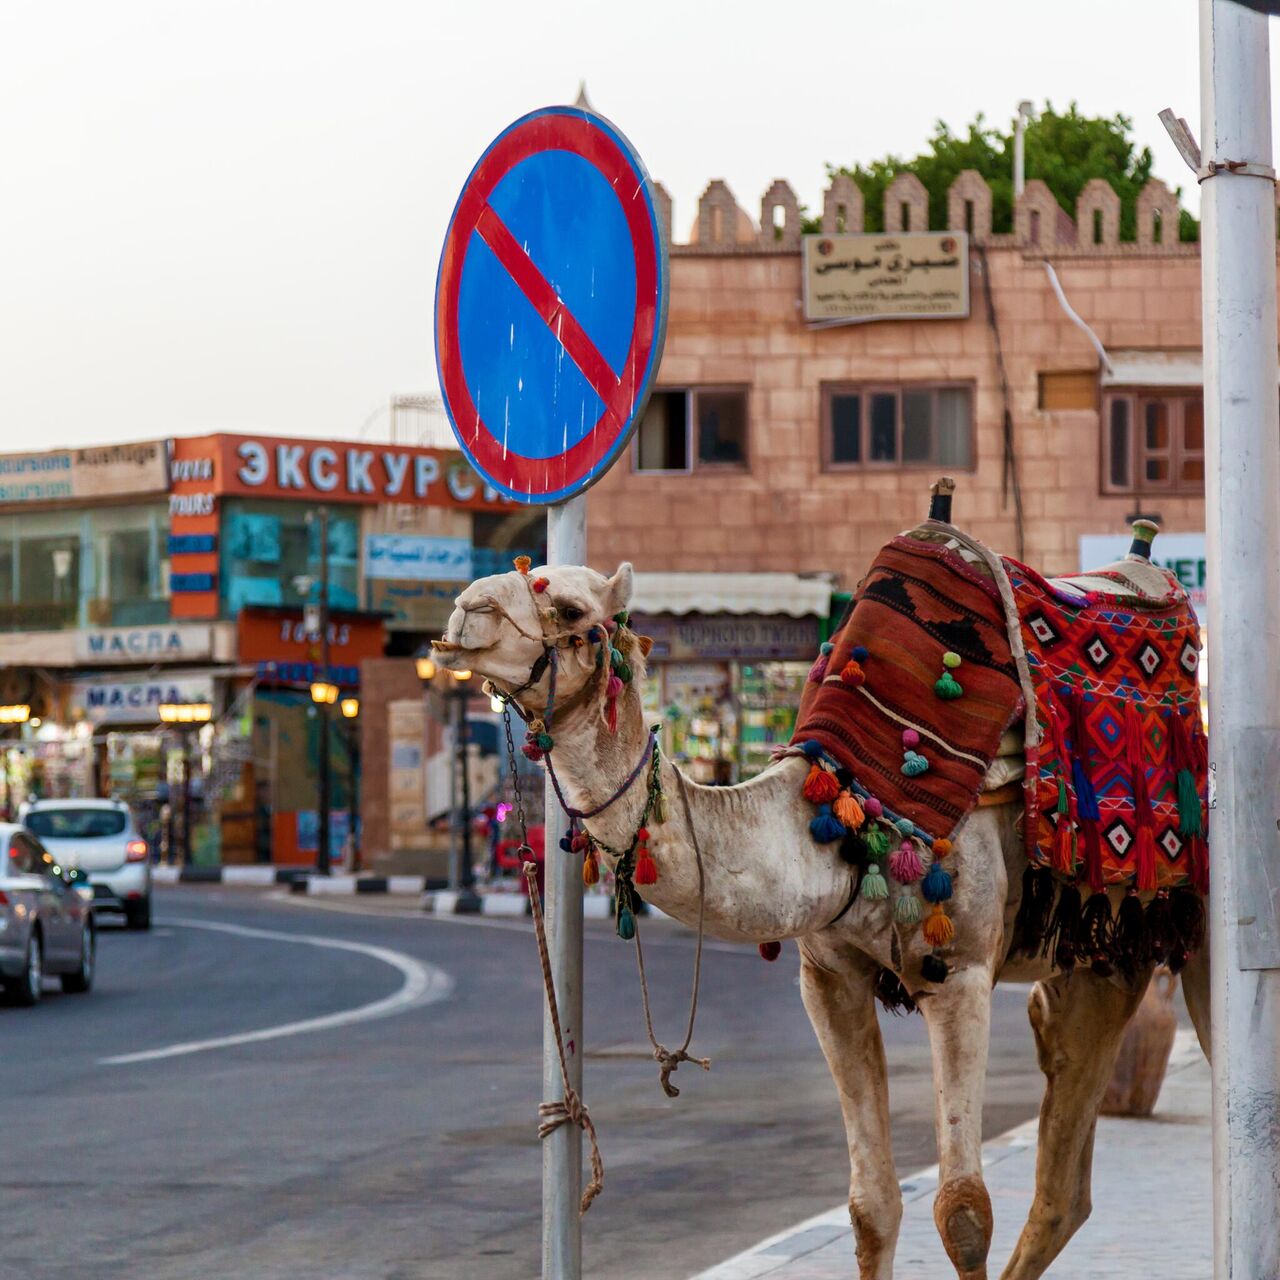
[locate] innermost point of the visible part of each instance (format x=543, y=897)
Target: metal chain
x=515, y=775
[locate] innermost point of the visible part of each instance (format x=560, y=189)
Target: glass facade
x=84, y=568
x=271, y=555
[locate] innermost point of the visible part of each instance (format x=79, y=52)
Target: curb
x=259, y=875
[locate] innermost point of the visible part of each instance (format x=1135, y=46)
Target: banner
x=84, y=473
x=854, y=278
x=417, y=558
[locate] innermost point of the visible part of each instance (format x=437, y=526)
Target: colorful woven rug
x=917, y=603
x=1116, y=788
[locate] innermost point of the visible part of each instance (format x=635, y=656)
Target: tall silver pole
x=562, y=1150
x=1243, y=526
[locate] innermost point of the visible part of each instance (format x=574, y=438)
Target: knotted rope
x=571, y=1109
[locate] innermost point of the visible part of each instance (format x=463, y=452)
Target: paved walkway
x=1141, y=1169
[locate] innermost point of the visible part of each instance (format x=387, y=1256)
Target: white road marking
x=423, y=984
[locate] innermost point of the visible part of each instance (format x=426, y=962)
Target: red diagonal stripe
x=548, y=304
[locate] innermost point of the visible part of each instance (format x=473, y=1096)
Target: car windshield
x=75, y=824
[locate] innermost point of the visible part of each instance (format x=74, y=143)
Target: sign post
x=1243, y=528
x=550, y=318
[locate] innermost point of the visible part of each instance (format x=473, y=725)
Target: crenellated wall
x=723, y=226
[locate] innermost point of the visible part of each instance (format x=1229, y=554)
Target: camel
x=766, y=879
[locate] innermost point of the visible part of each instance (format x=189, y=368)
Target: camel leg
x=1078, y=1020
x=958, y=1015
x=839, y=996
x=1195, y=990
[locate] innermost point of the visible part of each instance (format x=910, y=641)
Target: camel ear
x=619, y=589
x=645, y=643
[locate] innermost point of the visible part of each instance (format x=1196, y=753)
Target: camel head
x=502, y=626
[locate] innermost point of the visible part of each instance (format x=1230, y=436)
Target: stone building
x=774, y=445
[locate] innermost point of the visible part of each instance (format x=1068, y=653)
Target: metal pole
x=353, y=760
x=186, y=798
x=468, y=899
x=323, y=858
x=1019, y=148
x=562, y=1151
x=1242, y=423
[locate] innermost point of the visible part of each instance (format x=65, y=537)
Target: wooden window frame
x=692, y=462
x=1136, y=398
x=867, y=389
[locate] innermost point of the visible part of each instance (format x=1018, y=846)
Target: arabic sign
x=1183, y=554
x=143, y=644
x=746, y=637
x=136, y=701
x=853, y=278
x=84, y=473
x=417, y=558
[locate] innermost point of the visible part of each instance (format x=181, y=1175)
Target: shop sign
x=415, y=558
x=853, y=278
x=313, y=470
x=143, y=644
x=280, y=636
x=136, y=701
x=747, y=638
x=1183, y=554
x=84, y=473
x=414, y=606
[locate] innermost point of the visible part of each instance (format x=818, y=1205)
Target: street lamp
x=350, y=710
x=323, y=692
x=455, y=688
x=187, y=718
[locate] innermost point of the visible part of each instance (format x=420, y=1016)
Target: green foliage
x=1063, y=149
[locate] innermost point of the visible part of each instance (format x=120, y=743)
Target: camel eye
x=571, y=613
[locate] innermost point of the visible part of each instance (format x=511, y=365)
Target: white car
x=99, y=838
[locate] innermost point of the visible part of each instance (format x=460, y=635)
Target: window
x=696, y=426
x=1153, y=442
x=76, y=824
x=913, y=425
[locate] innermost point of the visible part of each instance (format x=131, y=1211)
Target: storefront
x=280, y=659
x=729, y=659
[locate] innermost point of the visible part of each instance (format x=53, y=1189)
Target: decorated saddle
x=944, y=648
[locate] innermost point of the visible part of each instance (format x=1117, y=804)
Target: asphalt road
x=404, y=1147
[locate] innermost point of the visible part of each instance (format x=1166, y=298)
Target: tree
x=1065, y=150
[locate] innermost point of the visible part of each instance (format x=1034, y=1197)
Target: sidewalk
x=1152, y=1202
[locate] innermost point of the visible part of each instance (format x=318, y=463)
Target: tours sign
x=850, y=279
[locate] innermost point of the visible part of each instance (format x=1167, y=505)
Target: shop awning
x=1131, y=368
x=736, y=593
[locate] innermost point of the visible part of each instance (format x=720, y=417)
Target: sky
x=227, y=216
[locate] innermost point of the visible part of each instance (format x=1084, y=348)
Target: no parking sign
x=551, y=304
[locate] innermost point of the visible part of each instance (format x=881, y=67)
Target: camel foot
x=962, y=1212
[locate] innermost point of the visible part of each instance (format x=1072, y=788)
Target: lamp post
x=455, y=688
x=350, y=712
x=329, y=697
x=187, y=718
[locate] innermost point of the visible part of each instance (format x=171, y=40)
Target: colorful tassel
x=626, y=924
x=941, y=847
x=826, y=827
x=951, y=660
x=1129, y=937
x=1091, y=843
x=874, y=886
x=1064, y=847
x=914, y=764
x=663, y=808
x=936, y=886
x=646, y=871
x=531, y=751
x=848, y=810
x=906, y=908
x=905, y=865
x=853, y=675
x=770, y=950
x=820, y=786
x=860, y=653
x=523, y=564
x=611, y=715
x=818, y=672
x=947, y=687
x=1189, y=817
x=877, y=841
x=591, y=867
x=938, y=930
x=579, y=842
x=872, y=807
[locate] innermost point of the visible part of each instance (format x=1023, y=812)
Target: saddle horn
x=1144, y=532
x=940, y=502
